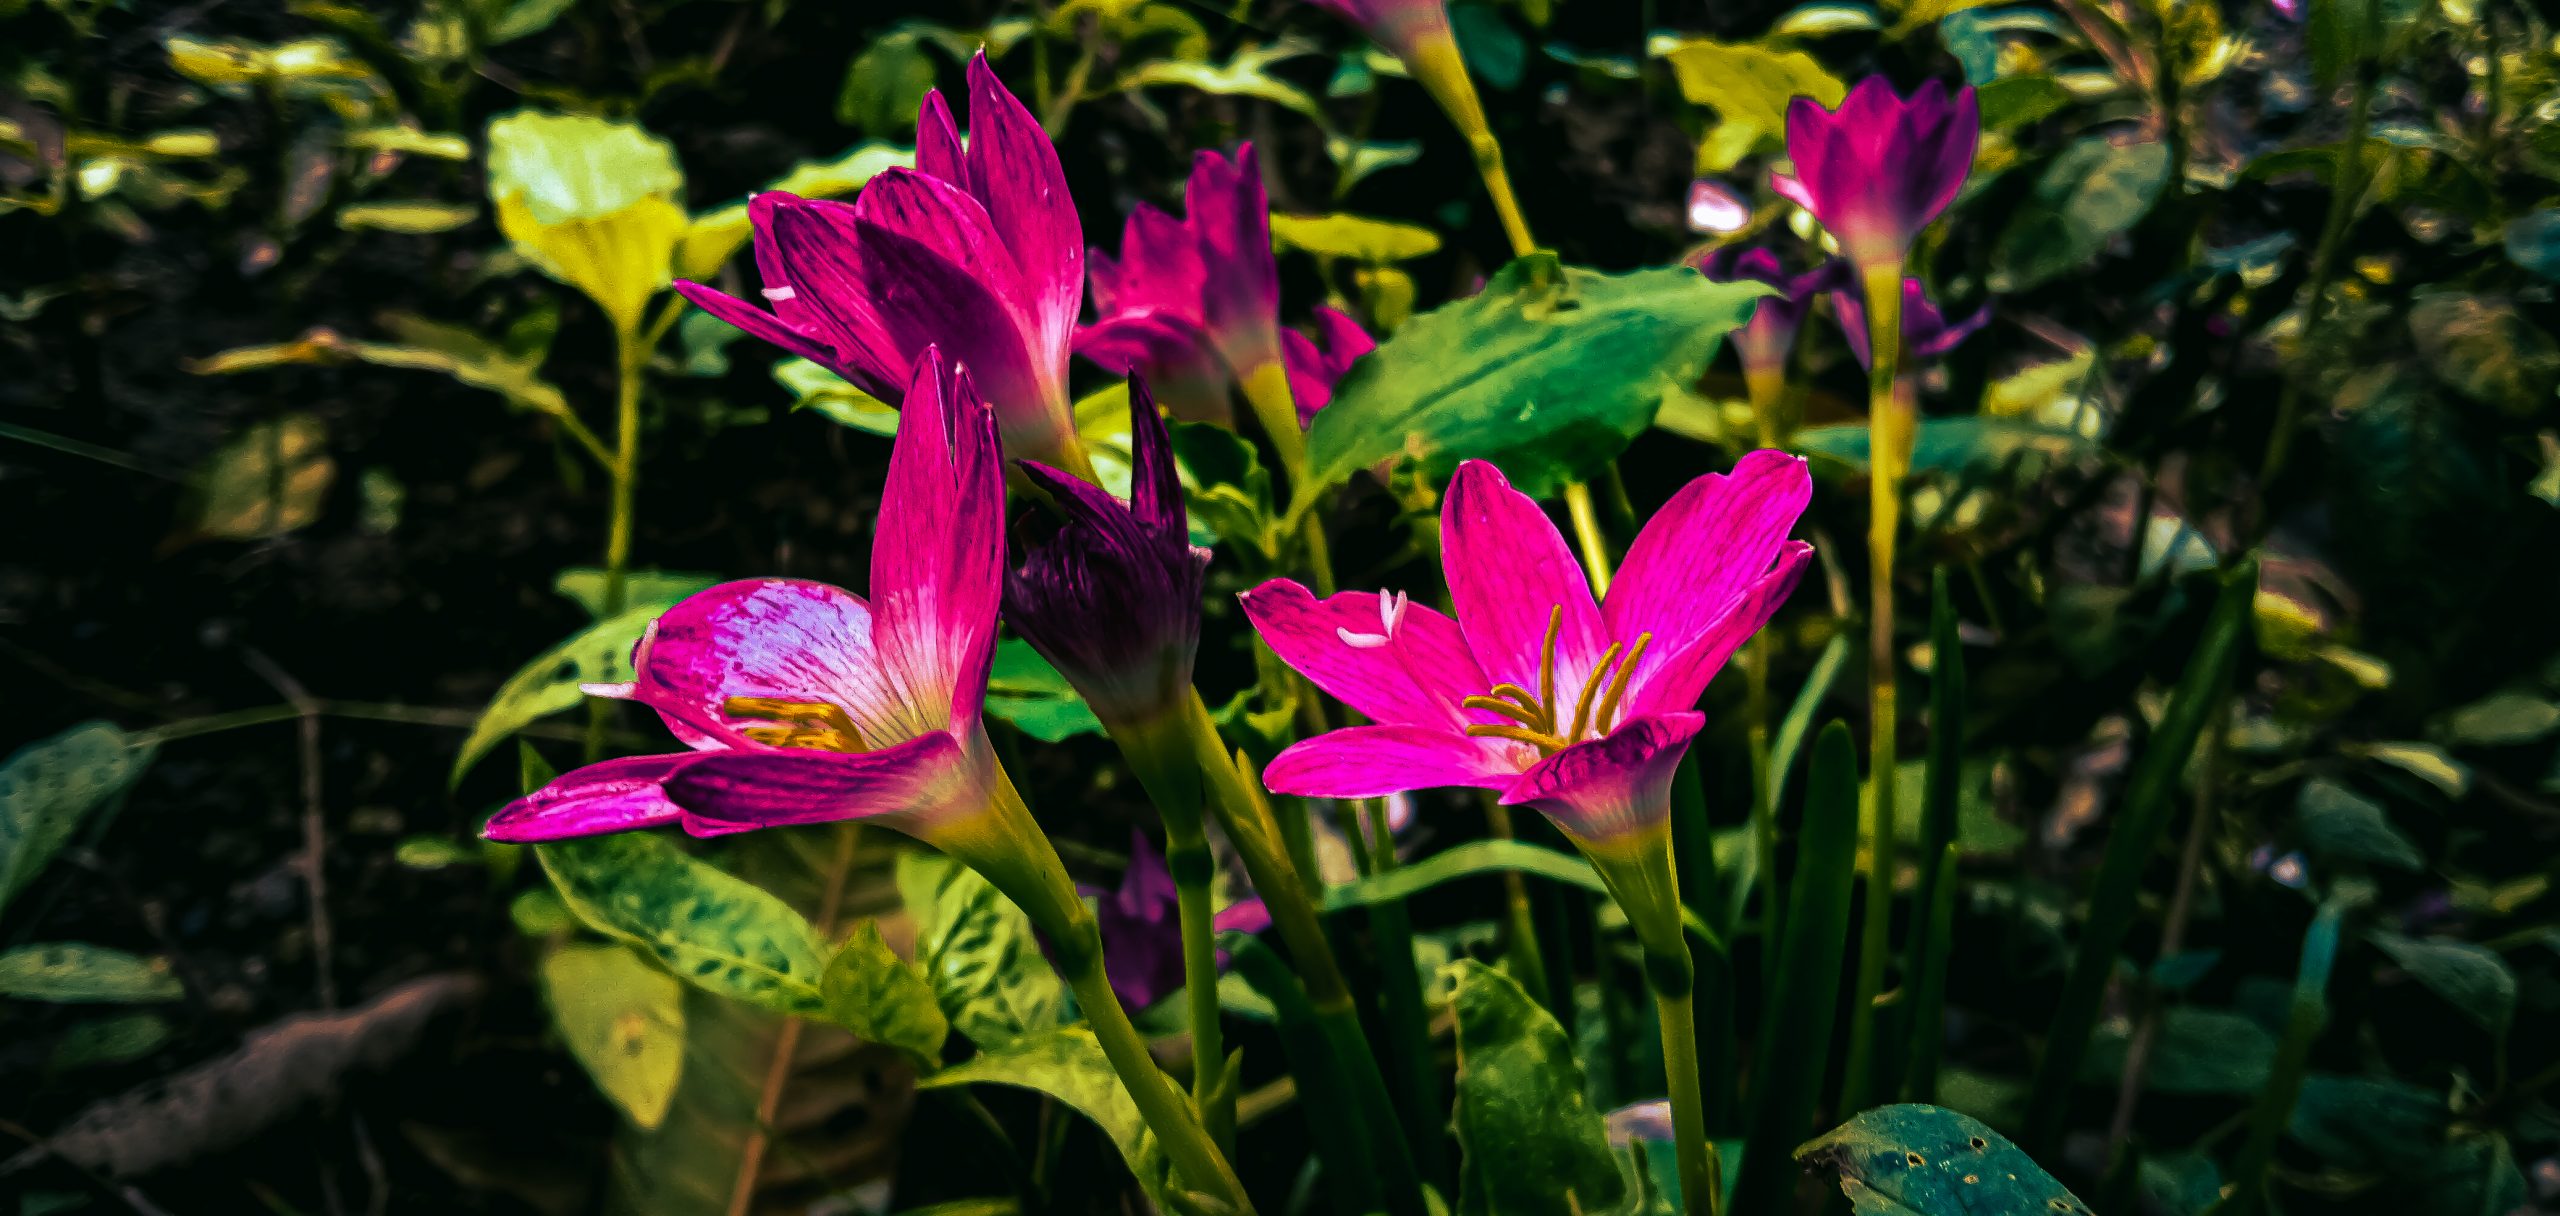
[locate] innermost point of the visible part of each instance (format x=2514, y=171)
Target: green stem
x=1187, y=855
x=1701, y=1186
x=631, y=361
x=1888, y=444
x=1528, y=960
x=1764, y=798
x=1586, y=532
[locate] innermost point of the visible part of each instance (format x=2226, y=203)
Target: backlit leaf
x=1358, y=238
x=883, y=998
x=716, y=932
x=76, y=972
x=1749, y=82
x=978, y=952
x=49, y=786
x=270, y=480
x=624, y=1021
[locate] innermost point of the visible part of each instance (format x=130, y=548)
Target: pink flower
x=1192, y=304
x=1578, y=709
x=1926, y=332
x=1316, y=366
x=804, y=703
x=977, y=251
x=1879, y=169
x=1400, y=26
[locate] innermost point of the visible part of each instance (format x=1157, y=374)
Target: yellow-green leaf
x=618, y=260
x=77, y=972
x=714, y=235
x=593, y=203
x=1750, y=83
x=724, y=935
x=624, y=1021
x=1359, y=238
x=1067, y=1064
x=597, y=654
x=48, y=786
x=416, y=218
x=878, y=996
x=269, y=481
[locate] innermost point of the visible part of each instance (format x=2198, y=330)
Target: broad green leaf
x=115, y=1039
x=2471, y=978
x=1022, y=688
x=1749, y=82
x=886, y=83
x=595, y=204
x=714, y=235
x=1532, y=1141
x=49, y=786
x=1912, y=1160
x=1355, y=237
x=2367, y=1120
x=1494, y=52
x=270, y=480
x=2533, y=242
x=624, y=1021
x=978, y=951
x=1966, y=443
x=77, y=972
x=1547, y=372
x=597, y=654
x=711, y=930
x=640, y=588
x=1067, y=1063
x=2012, y=102
x=878, y=996
x=2199, y=1051
x=2096, y=190
x=2485, y=349
x=2502, y=719
x=1247, y=73
x=413, y=218
x=2336, y=822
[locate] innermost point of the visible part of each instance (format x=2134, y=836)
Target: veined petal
x=906, y=787
x=1229, y=214
x=1608, y=792
x=1670, y=679
x=938, y=148
x=1171, y=354
x=1413, y=673
x=758, y=323
x=1508, y=572
x=944, y=218
x=819, y=243
x=776, y=639
x=920, y=299
x=1014, y=171
x=1159, y=269
x=1369, y=761
x=937, y=558
x=614, y=796
x=1714, y=538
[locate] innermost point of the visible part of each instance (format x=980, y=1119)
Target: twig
x=2173, y=936
x=786, y=1041
x=315, y=838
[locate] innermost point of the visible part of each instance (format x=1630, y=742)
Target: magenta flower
x=1400, y=26
x=804, y=703
x=1879, y=169
x=1142, y=928
x=1766, y=341
x=1317, y=364
x=1192, y=304
x=977, y=251
x=1926, y=332
x=1575, y=708
x=1112, y=598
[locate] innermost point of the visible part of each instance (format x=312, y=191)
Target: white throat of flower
x=1391, y=607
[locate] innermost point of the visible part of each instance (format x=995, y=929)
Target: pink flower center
x=810, y=724
x=1533, y=716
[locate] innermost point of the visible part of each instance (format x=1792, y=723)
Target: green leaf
x=525, y=18
x=2502, y=719
x=711, y=930
x=1022, y=688
x=425, y=852
x=1750, y=83
x=1931, y=1161
x=2471, y=978
x=978, y=952
x=1493, y=50
x=2485, y=349
x=2365, y=1121
x=585, y=586
x=2012, y=102
x=2093, y=192
x=1067, y=1063
x=48, y=786
x=1533, y=1143
x=1476, y=858
x=2199, y=1051
x=1356, y=237
x=2426, y=763
x=1965, y=444
x=2533, y=242
x=76, y=972
x=883, y=998
x=597, y=654
x=1247, y=73
x=624, y=1021
x=716, y=234
x=2336, y=823
x=1547, y=372
x=568, y=167
x=885, y=84
x=272, y=479
x=416, y=218
x=116, y=1039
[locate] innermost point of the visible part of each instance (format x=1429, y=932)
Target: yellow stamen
x=810, y=724
x=1496, y=730
x=1521, y=714
x=1547, y=663
x=1582, y=704
x=1618, y=683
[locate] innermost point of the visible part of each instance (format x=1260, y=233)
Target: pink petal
x=1703, y=547
x=777, y=638
x=937, y=559
x=756, y=322
x=1508, y=571
x=821, y=244
x=615, y=796
x=1416, y=677
x=1608, y=791
x=1229, y=215
x=1370, y=761
x=938, y=148
x=1014, y=170
x=945, y=219
x=908, y=787
x=1159, y=270
x=1670, y=679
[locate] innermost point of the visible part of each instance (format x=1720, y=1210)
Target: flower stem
x=1701, y=1184
x=1528, y=959
x=1187, y=856
x=1586, y=533
x=1275, y=405
x=1889, y=430
x=631, y=350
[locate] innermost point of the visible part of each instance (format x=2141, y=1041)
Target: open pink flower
x=804, y=703
x=1576, y=708
x=977, y=251
x=1880, y=168
x=1193, y=304
x=1317, y=364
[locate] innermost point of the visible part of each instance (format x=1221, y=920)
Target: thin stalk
x=1764, y=797
x=1888, y=439
x=1187, y=856
x=2173, y=938
x=1586, y=531
x=631, y=361
x=2346, y=188
x=1528, y=960
x=1701, y=1181
x=1275, y=405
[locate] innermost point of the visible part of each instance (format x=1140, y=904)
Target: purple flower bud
x=1112, y=596
x=1141, y=927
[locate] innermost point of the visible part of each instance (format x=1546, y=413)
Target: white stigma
x=1391, y=607
x=779, y=294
